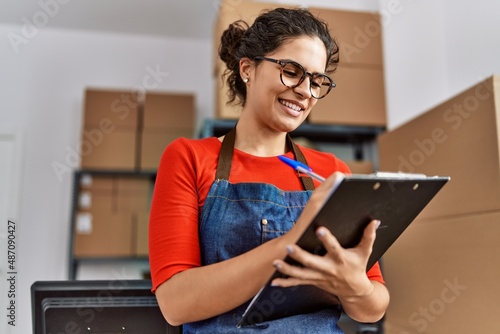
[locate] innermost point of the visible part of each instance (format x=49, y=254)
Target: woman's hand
x=340, y=271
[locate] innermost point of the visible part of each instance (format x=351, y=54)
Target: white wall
x=414, y=57
x=472, y=30
x=435, y=49
x=41, y=89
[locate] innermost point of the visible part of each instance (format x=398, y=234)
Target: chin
x=289, y=126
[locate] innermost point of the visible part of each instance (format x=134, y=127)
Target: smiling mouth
x=290, y=105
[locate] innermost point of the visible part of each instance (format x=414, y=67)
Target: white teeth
x=290, y=105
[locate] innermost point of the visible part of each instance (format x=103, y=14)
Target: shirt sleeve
x=375, y=274
x=173, y=222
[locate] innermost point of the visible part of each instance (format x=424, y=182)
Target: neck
x=260, y=142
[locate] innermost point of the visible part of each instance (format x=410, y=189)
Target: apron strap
x=226, y=158
x=307, y=181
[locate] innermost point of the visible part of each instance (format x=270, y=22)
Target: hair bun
x=230, y=43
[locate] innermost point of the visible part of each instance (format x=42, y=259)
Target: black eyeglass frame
x=283, y=63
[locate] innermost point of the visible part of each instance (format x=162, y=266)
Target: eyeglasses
x=292, y=74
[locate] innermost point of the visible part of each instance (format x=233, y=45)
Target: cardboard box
x=97, y=193
x=109, y=136
x=164, y=110
x=154, y=143
x=360, y=167
x=115, y=150
x=134, y=194
x=141, y=234
x=229, y=12
x=120, y=107
x=112, y=207
x=459, y=138
x=103, y=234
x=358, y=99
x=97, y=200
x=166, y=117
x=358, y=34
x=117, y=194
x=127, y=185
x=97, y=182
x=442, y=274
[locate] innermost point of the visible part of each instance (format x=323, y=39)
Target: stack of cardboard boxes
x=126, y=131
x=228, y=13
x=110, y=221
x=110, y=130
x=166, y=117
x=359, y=98
x=443, y=271
x=124, y=135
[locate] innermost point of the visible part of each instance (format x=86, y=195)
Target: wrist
x=359, y=294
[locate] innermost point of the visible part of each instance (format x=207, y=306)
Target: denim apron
x=239, y=217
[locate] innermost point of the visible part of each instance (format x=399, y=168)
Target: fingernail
x=277, y=265
x=378, y=223
x=289, y=249
x=320, y=232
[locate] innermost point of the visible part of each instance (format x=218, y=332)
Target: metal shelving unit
x=74, y=261
x=360, y=138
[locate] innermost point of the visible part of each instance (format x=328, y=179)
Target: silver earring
x=245, y=80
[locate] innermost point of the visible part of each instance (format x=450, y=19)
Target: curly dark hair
x=271, y=30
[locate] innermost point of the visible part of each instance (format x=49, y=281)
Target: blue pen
x=302, y=168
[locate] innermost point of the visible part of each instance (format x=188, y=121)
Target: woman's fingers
x=368, y=239
x=316, y=269
x=333, y=247
x=331, y=244
x=308, y=260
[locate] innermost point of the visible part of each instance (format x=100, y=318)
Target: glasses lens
x=320, y=85
x=291, y=75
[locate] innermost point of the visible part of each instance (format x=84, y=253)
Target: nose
x=304, y=89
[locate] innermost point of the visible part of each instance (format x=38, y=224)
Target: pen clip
x=304, y=171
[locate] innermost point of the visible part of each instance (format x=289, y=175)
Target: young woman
x=226, y=211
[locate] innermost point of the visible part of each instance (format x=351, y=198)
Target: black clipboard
x=394, y=198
